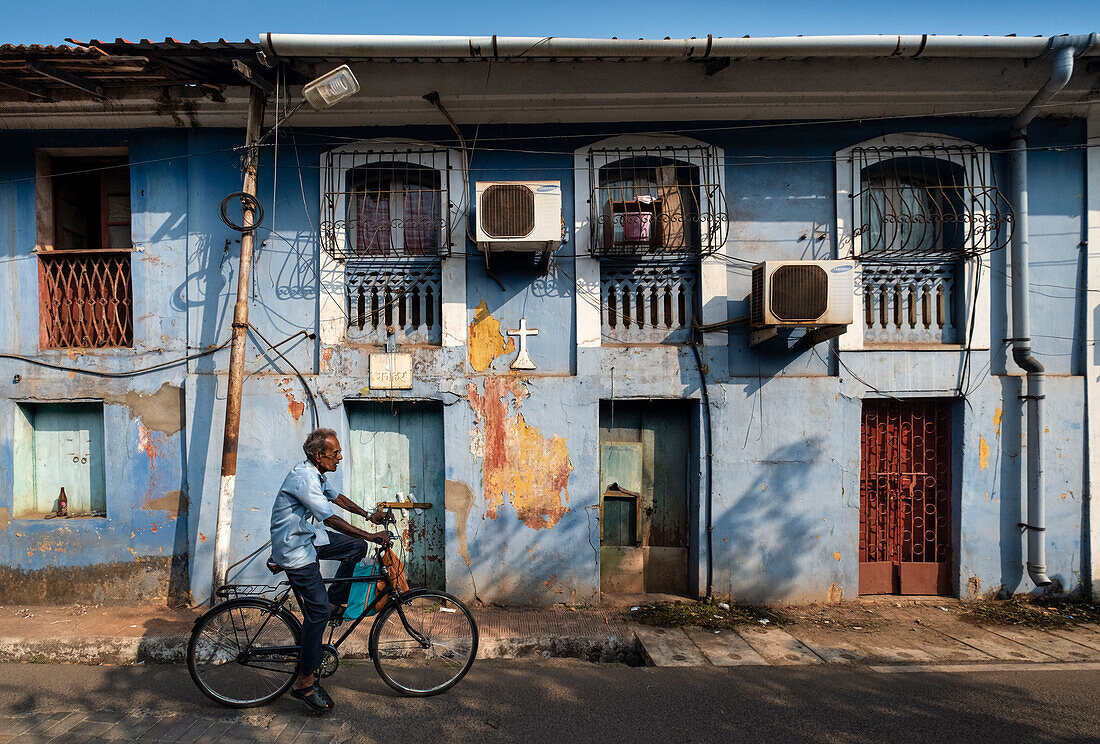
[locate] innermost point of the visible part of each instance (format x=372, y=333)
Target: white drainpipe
x=1063, y=49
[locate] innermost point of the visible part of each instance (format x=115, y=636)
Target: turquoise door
x=396, y=454
x=66, y=452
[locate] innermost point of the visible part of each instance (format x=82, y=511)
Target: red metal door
x=905, y=497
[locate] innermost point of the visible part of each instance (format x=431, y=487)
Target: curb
x=173, y=649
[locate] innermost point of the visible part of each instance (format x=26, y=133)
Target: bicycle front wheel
x=432, y=652
x=243, y=653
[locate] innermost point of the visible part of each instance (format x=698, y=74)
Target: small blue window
x=59, y=446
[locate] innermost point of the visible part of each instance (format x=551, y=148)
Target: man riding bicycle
x=297, y=546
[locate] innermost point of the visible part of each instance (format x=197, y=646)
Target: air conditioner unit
x=802, y=293
x=518, y=215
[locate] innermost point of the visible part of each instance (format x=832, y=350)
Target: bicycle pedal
x=335, y=622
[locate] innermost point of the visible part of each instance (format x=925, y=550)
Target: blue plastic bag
x=363, y=593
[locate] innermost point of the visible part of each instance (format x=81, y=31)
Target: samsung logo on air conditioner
x=841, y=269
x=548, y=189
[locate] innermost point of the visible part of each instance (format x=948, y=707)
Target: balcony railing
x=915, y=304
x=402, y=300
x=648, y=301
x=85, y=299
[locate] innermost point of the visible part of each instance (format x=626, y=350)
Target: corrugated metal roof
x=99, y=69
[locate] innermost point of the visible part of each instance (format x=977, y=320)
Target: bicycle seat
x=274, y=567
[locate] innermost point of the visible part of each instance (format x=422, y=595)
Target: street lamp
x=325, y=91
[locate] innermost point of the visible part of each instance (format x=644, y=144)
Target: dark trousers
x=309, y=588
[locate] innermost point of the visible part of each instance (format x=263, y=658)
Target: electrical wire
x=129, y=373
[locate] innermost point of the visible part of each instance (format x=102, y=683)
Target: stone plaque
x=391, y=371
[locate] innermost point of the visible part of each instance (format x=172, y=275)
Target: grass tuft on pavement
x=1032, y=612
x=703, y=614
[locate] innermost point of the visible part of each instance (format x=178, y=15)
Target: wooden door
x=645, y=464
x=396, y=453
x=905, y=497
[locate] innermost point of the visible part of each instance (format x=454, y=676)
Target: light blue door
x=396, y=453
x=68, y=453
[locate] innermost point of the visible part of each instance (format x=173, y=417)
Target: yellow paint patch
x=998, y=414
x=983, y=453
x=486, y=342
x=518, y=461
x=836, y=555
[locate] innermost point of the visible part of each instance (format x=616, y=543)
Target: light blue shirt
x=304, y=493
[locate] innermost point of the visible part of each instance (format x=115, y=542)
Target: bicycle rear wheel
x=243, y=653
x=438, y=652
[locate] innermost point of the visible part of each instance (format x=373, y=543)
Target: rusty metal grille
x=927, y=204
x=508, y=211
x=85, y=299
x=799, y=292
x=399, y=301
x=905, y=497
x=656, y=201
x=386, y=204
x=648, y=301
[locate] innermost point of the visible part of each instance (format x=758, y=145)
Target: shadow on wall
x=766, y=533
x=513, y=564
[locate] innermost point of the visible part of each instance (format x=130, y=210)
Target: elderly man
x=297, y=546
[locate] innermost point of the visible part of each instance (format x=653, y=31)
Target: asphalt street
x=566, y=700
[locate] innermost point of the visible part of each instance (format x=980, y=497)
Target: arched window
x=920, y=213
x=656, y=210
x=387, y=223
x=395, y=210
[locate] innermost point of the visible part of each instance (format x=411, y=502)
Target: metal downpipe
x=1064, y=49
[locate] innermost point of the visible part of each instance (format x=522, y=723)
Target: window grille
x=387, y=216
x=661, y=201
x=390, y=204
x=648, y=301
x=922, y=212
x=403, y=299
x=86, y=299
x=927, y=204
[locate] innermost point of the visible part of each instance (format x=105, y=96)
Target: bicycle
x=243, y=651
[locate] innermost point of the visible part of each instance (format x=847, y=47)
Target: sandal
x=314, y=696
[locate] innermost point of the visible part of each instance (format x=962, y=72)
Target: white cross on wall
x=523, y=359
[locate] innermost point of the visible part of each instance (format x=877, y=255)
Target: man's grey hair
x=317, y=441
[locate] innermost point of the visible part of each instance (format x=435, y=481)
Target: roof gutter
x=778, y=47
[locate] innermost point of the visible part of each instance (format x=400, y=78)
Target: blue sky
x=50, y=21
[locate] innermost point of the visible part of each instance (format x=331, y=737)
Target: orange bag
x=396, y=570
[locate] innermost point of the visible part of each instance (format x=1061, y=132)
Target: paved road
x=566, y=700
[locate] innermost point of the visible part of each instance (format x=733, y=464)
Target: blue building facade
x=637, y=453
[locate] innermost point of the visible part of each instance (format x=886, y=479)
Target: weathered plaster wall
x=521, y=453
x=139, y=552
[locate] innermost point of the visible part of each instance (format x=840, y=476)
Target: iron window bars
x=386, y=204
x=926, y=204
x=386, y=215
x=656, y=201
x=921, y=213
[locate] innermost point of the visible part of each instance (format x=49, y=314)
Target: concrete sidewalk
x=130, y=635
x=852, y=633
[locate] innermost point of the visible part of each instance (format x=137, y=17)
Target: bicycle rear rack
x=236, y=591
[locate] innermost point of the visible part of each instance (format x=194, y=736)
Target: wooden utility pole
x=223, y=532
